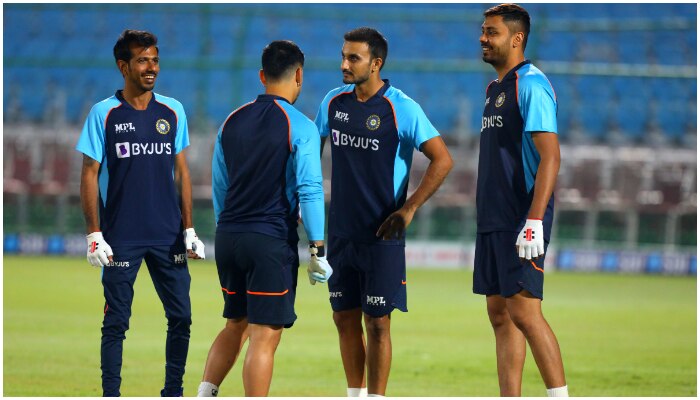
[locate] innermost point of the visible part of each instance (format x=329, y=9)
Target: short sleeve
x=92, y=138
x=182, y=137
x=538, y=106
x=321, y=120
x=413, y=125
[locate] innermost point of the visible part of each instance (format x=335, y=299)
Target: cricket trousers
x=167, y=266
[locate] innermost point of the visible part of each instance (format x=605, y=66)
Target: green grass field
x=619, y=335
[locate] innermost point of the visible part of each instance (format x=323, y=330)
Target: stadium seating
x=210, y=57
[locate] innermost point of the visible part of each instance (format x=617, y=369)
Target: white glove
x=193, y=243
x=319, y=270
x=98, y=251
x=530, y=243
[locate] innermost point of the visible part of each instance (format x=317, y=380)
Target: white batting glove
x=319, y=270
x=98, y=251
x=530, y=243
x=193, y=243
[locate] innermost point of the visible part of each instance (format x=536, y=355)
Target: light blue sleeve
x=182, y=135
x=92, y=138
x=321, y=120
x=306, y=155
x=219, y=177
x=538, y=105
x=414, y=129
x=413, y=125
x=322, y=116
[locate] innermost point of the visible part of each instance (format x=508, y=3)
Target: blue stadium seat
x=211, y=56
x=672, y=118
x=631, y=116
x=632, y=47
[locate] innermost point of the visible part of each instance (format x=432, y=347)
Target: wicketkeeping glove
x=193, y=243
x=98, y=251
x=319, y=270
x=530, y=243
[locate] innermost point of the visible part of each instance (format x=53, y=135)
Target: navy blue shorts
x=371, y=276
x=258, y=276
x=499, y=270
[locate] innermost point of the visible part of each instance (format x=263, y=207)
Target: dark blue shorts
x=258, y=276
x=499, y=270
x=371, y=276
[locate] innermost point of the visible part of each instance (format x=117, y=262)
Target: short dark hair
x=279, y=58
x=378, y=46
x=129, y=36
x=512, y=14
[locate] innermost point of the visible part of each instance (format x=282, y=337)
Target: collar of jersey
x=512, y=71
x=270, y=97
x=379, y=94
x=119, y=95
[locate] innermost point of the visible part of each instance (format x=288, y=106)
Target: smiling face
x=496, y=41
x=141, y=71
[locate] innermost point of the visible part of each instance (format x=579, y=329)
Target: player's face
x=357, y=62
x=495, y=40
x=143, y=68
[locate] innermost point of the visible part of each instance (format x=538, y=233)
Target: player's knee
x=524, y=322
x=378, y=328
x=499, y=317
x=115, y=327
x=179, y=322
x=347, y=320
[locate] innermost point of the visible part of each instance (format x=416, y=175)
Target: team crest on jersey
x=373, y=122
x=500, y=99
x=162, y=126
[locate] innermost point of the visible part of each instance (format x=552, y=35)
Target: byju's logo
x=122, y=264
x=341, y=116
x=360, y=142
x=123, y=128
x=126, y=149
x=123, y=150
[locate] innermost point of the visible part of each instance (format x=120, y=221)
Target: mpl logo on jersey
x=180, y=258
x=360, y=142
x=341, y=116
x=126, y=149
x=124, y=127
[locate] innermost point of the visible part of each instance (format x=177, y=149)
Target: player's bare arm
x=547, y=145
x=88, y=193
x=440, y=165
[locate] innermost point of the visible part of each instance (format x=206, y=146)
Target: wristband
x=318, y=251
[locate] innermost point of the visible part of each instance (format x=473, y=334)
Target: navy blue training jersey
x=372, y=146
x=136, y=149
x=266, y=166
x=523, y=103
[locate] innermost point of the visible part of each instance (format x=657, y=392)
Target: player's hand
x=194, y=246
x=319, y=270
x=394, y=227
x=99, y=254
x=530, y=243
